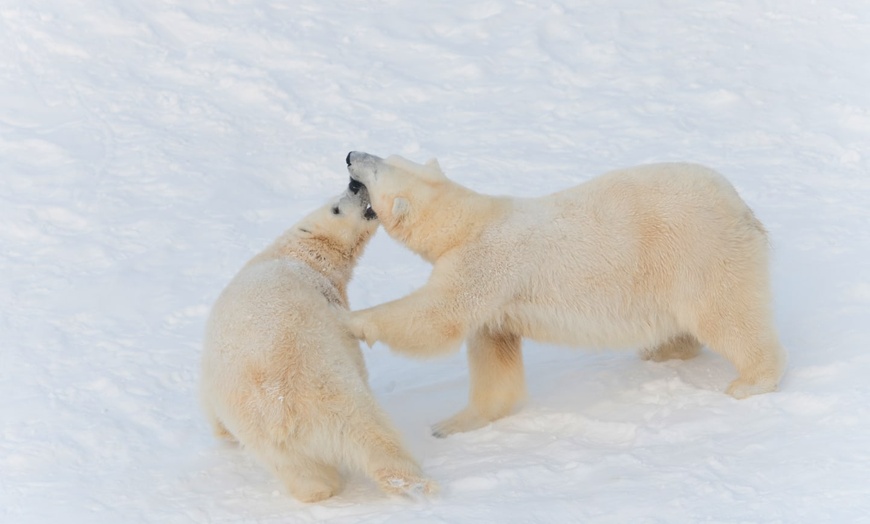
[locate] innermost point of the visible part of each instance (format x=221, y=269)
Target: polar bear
x=662, y=257
x=282, y=375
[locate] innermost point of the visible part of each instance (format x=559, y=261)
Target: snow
x=147, y=149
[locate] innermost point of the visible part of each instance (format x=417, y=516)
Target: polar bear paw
x=363, y=330
x=742, y=388
x=400, y=483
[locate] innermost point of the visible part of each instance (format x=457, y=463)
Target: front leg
x=495, y=362
x=362, y=328
x=427, y=322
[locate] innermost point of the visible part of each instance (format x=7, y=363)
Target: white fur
x=662, y=257
x=282, y=376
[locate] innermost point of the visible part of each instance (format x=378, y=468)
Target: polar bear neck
x=450, y=220
x=327, y=257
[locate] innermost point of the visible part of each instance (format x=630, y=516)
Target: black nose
x=347, y=159
x=354, y=186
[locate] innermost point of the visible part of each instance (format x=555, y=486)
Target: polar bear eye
x=335, y=210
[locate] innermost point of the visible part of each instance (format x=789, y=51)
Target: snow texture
x=147, y=149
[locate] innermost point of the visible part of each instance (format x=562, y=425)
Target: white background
x=148, y=149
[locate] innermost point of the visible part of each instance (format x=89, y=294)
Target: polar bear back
x=630, y=251
x=280, y=322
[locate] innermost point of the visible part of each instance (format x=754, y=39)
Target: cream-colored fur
x=283, y=376
x=662, y=257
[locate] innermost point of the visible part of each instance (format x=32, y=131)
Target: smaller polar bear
x=282, y=376
x=662, y=257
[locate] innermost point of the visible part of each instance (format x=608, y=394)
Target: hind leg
x=495, y=363
x=221, y=432
x=217, y=427
x=375, y=447
x=746, y=337
x=307, y=479
x=681, y=347
x=760, y=368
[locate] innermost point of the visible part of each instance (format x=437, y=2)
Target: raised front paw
x=363, y=329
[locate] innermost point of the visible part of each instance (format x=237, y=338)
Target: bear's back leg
x=218, y=428
x=374, y=446
x=740, y=328
x=681, y=347
x=308, y=479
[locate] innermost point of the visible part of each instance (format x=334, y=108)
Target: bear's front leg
x=362, y=327
x=424, y=323
x=495, y=365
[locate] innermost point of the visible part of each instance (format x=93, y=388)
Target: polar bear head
x=345, y=224
x=402, y=192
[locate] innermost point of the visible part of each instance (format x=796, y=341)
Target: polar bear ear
x=433, y=169
x=400, y=207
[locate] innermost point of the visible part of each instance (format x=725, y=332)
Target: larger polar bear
x=662, y=257
x=280, y=372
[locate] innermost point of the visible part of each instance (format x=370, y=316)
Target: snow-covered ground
x=147, y=149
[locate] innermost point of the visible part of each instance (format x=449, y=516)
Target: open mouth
x=355, y=186
x=370, y=213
